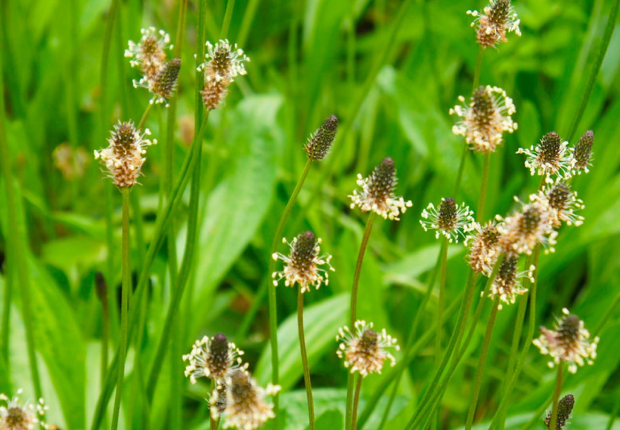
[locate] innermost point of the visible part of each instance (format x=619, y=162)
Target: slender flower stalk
x=304, y=357
x=102, y=293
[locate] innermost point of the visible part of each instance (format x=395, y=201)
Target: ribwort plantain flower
x=149, y=54
x=365, y=350
x=164, y=85
x=17, y=416
x=582, y=153
x=321, y=141
x=485, y=118
x=213, y=357
x=223, y=63
x=565, y=408
x=124, y=156
x=562, y=203
x=245, y=407
x=302, y=265
x=217, y=399
x=377, y=193
x=550, y=157
x=71, y=162
x=483, y=244
x=506, y=284
x=450, y=220
x=524, y=229
x=498, y=19
x=568, y=343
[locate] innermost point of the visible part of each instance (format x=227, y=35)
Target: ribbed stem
x=484, y=185
x=476, y=80
x=353, y=307
x=246, y=23
x=212, y=421
x=442, y=292
x=556, y=396
x=304, y=356
x=227, y=17
x=356, y=400
x=481, y=365
x=145, y=115
x=596, y=68
x=105, y=335
x=126, y=288
x=18, y=255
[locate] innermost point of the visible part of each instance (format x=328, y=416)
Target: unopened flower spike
x=124, y=156
x=483, y=244
x=565, y=408
x=245, y=406
x=581, y=154
x=550, y=157
x=568, y=343
x=365, y=350
x=164, y=84
x=498, y=19
x=321, y=141
x=15, y=415
x=223, y=62
x=377, y=192
x=562, y=203
x=450, y=220
x=524, y=229
x=149, y=54
x=506, y=284
x=302, y=265
x=485, y=118
x=213, y=357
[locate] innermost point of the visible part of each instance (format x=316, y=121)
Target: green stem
x=556, y=396
x=212, y=420
x=17, y=255
x=159, y=234
x=442, y=293
x=596, y=68
x=304, y=356
x=246, y=23
x=145, y=116
x=614, y=414
x=356, y=400
x=227, y=17
x=484, y=185
x=481, y=365
x=126, y=288
x=105, y=334
x=476, y=80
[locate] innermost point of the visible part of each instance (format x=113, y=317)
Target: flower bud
x=166, y=81
x=319, y=144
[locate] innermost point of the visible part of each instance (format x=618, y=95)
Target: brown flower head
x=451, y=220
x=498, y=19
x=485, y=118
x=302, y=265
x=483, y=244
x=164, y=85
x=213, y=357
x=365, y=350
x=526, y=228
x=320, y=142
x=149, y=55
x=565, y=407
x=562, y=203
x=17, y=416
x=582, y=153
x=568, y=343
x=124, y=156
x=549, y=158
x=506, y=284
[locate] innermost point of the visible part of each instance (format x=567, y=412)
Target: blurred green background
x=309, y=59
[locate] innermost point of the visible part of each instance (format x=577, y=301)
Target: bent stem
x=304, y=356
x=126, y=287
x=556, y=396
x=356, y=400
x=353, y=307
x=481, y=364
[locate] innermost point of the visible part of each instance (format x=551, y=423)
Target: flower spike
x=498, y=19
x=450, y=220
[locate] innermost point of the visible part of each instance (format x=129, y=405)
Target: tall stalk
x=556, y=396
x=18, y=254
x=356, y=400
x=353, y=309
x=304, y=356
x=126, y=287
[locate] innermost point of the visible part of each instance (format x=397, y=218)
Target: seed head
x=166, y=81
x=213, y=358
x=149, y=55
x=450, y=220
x=377, y=193
x=319, y=144
x=365, y=350
x=246, y=407
x=548, y=158
x=483, y=244
x=568, y=343
x=506, y=284
x=223, y=62
x=565, y=407
x=302, y=265
x=124, y=156
x=582, y=152
x=492, y=25
x=17, y=416
x=562, y=204
x=526, y=228
x=485, y=118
